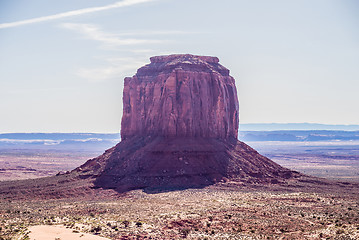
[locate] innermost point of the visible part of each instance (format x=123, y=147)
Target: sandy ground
x=213, y=213
x=58, y=232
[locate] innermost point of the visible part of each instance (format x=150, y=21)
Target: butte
x=179, y=130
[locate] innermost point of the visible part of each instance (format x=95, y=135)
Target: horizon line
x=119, y=132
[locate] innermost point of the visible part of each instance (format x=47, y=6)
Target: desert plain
x=222, y=211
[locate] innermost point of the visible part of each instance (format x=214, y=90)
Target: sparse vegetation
x=192, y=214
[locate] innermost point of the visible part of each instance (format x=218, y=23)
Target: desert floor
x=209, y=213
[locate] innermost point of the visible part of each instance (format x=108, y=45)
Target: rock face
x=180, y=96
x=179, y=129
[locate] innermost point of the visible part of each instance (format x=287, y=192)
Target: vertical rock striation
x=180, y=96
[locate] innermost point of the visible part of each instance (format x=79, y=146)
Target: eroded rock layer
x=180, y=96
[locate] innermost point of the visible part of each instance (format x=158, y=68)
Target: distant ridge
x=295, y=126
x=61, y=141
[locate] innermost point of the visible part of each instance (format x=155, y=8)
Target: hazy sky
x=62, y=63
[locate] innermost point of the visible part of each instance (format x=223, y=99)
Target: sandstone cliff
x=179, y=129
x=180, y=96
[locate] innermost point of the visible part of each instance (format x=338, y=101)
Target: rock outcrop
x=179, y=130
x=180, y=96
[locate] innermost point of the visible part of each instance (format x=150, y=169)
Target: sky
x=62, y=63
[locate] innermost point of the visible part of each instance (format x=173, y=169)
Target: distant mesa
x=179, y=130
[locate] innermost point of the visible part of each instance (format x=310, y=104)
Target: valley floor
x=215, y=212
x=210, y=213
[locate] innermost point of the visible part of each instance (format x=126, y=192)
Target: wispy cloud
x=119, y=4
x=149, y=33
x=116, y=68
x=109, y=40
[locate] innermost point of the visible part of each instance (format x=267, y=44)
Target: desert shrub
x=48, y=222
x=184, y=232
x=96, y=229
x=126, y=223
x=138, y=224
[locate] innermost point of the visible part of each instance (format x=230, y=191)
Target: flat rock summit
x=179, y=130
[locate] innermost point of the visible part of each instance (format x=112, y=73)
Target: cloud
x=108, y=40
x=164, y=32
x=116, y=68
x=119, y=4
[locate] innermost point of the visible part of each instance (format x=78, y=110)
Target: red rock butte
x=180, y=96
x=179, y=130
